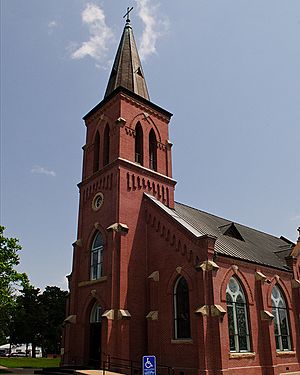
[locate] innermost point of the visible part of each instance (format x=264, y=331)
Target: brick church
x=152, y=276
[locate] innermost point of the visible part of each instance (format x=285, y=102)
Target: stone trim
x=123, y=314
x=118, y=227
x=154, y=276
x=182, y=341
x=153, y=315
x=92, y=282
x=109, y=314
x=289, y=353
x=266, y=315
x=241, y=355
x=209, y=265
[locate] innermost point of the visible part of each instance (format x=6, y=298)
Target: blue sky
x=228, y=70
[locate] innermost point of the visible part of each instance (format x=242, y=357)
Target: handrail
x=135, y=367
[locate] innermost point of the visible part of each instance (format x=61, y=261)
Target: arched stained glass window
x=237, y=313
x=182, y=328
x=152, y=150
x=106, y=145
x=281, y=321
x=97, y=257
x=139, y=144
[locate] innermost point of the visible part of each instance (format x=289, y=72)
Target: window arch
x=106, y=145
x=152, y=150
x=96, y=152
x=97, y=257
x=281, y=321
x=96, y=312
x=139, y=144
x=237, y=312
x=182, y=326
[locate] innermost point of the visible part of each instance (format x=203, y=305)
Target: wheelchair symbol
x=148, y=364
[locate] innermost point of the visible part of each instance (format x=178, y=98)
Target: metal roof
x=239, y=242
x=127, y=69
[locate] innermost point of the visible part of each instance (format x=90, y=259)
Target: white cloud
x=155, y=26
x=37, y=169
x=52, y=24
x=100, y=34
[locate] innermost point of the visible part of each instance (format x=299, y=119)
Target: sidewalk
x=18, y=371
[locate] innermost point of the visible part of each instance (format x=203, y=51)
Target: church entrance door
x=95, y=345
x=95, y=337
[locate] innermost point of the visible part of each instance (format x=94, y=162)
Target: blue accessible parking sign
x=149, y=365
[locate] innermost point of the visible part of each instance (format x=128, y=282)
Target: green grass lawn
x=29, y=362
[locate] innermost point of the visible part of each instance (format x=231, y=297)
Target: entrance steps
x=96, y=372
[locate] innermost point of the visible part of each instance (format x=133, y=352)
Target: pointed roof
x=127, y=69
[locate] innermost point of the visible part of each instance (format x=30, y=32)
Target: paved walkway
x=18, y=371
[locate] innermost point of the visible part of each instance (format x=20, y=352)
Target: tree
x=53, y=304
x=10, y=279
x=27, y=319
x=38, y=318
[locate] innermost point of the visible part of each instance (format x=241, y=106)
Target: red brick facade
x=145, y=251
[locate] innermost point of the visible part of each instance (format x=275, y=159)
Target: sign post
x=149, y=365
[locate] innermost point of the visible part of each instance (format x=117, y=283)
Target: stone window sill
x=182, y=341
x=241, y=355
x=288, y=353
x=92, y=282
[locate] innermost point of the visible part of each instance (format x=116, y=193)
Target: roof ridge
x=230, y=221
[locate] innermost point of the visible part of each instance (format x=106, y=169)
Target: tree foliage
x=10, y=279
x=39, y=317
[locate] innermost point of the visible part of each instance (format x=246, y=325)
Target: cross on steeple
x=127, y=14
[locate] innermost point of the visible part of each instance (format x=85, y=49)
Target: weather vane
x=127, y=14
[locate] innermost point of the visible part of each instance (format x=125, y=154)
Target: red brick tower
x=127, y=153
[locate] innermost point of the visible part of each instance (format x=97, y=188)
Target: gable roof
x=233, y=239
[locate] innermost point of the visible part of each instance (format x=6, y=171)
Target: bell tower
x=127, y=153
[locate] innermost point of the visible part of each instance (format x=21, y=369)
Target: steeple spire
x=127, y=69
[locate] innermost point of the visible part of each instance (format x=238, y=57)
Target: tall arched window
x=97, y=257
x=237, y=312
x=182, y=327
x=139, y=144
x=152, y=150
x=281, y=321
x=96, y=152
x=106, y=145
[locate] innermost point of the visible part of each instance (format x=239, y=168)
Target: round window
x=97, y=201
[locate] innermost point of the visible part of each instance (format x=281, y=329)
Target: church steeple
x=127, y=69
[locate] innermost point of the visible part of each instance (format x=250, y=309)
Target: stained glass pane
x=276, y=330
x=285, y=343
x=98, y=241
x=232, y=343
x=243, y=343
x=228, y=298
x=275, y=292
x=241, y=320
x=283, y=322
x=230, y=320
x=233, y=285
x=277, y=343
